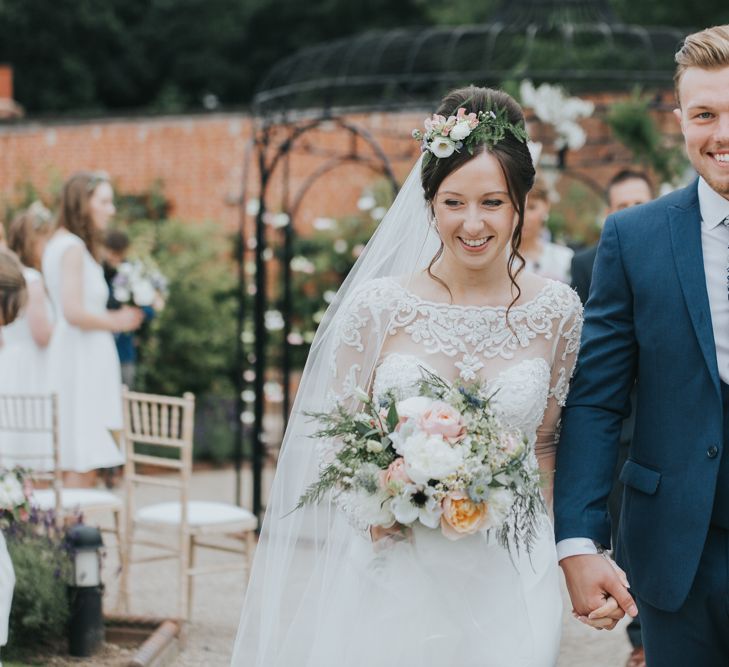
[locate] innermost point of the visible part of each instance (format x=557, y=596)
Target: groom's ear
x=679, y=117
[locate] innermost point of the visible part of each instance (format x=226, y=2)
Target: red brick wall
x=200, y=158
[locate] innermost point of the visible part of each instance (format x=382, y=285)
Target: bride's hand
x=607, y=616
x=381, y=536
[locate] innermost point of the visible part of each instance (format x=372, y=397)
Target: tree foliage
x=179, y=55
x=167, y=55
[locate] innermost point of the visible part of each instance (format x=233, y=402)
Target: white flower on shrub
x=324, y=224
x=551, y=105
x=11, y=492
x=378, y=213
x=274, y=320
x=366, y=202
x=301, y=264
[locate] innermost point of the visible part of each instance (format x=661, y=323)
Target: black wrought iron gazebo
x=578, y=42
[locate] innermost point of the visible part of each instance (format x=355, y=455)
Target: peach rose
x=443, y=419
x=461, y=516
x=396, y=472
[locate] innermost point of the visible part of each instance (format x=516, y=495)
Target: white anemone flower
x=402, y=506
x=414, y=504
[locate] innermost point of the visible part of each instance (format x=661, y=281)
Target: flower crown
x=444, y=136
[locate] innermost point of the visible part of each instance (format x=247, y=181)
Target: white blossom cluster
x=552, y=106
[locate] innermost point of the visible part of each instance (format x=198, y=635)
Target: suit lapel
x=685, y=226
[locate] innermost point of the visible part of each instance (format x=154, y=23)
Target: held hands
x=598, y=589
x=127, y=318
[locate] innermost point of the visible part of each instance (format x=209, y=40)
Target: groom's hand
x=591, y=579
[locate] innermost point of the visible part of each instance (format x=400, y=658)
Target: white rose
x=460, y=131
x=144, y=293
x=430, y=457
x=442, y=147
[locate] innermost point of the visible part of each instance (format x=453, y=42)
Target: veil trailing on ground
x=302, y=554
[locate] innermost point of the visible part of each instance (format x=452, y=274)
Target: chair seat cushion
x=199, y=513
x=45, y=499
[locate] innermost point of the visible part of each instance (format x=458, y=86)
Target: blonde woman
x=84, y=366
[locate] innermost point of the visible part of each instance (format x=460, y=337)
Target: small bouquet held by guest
x=140, y=283
x=15, y=490
x=441, y=459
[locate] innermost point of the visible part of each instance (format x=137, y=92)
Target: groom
x=658, y=315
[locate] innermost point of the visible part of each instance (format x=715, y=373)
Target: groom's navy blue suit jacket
x=647, y=319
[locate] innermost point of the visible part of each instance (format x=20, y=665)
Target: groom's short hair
x=708, y=49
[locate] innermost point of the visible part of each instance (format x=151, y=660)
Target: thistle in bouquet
x=139, y=282
x=15, y=491
x=441, y=459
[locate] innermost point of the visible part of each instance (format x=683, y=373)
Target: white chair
x=22, y=414
x=158, y=435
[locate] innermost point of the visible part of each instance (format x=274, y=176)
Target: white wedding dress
x=427, y=601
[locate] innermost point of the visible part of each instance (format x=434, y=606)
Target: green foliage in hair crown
x=445, y=136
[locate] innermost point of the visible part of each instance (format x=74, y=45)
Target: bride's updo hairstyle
x=511, y=152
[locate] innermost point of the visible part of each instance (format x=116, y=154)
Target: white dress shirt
x=715, y=244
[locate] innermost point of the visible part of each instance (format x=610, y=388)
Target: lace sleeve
x=360, y=330
x=359, y=336
x=564, y=357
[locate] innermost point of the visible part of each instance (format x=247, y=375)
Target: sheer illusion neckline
x=525, y=305
x=487, y=381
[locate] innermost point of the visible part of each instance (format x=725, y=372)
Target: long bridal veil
x=302, y=555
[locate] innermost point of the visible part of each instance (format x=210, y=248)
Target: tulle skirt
x=430, y=602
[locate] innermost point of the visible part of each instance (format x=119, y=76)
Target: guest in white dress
x=83, y=363
x=547, y=259
x=23, y=356
x=12, y=299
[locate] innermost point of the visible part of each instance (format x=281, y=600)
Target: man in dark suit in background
x=627, y=188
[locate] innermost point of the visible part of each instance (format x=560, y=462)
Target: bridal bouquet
x=441, y=458
x=15, y=490
x=140, y=283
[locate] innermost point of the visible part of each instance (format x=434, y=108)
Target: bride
x=441, y=286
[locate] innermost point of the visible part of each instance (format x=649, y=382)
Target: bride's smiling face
x=474, y=213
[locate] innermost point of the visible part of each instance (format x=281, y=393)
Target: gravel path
x=218, y=597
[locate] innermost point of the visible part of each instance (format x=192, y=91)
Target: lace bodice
x=520, y=392
x=386, y=333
